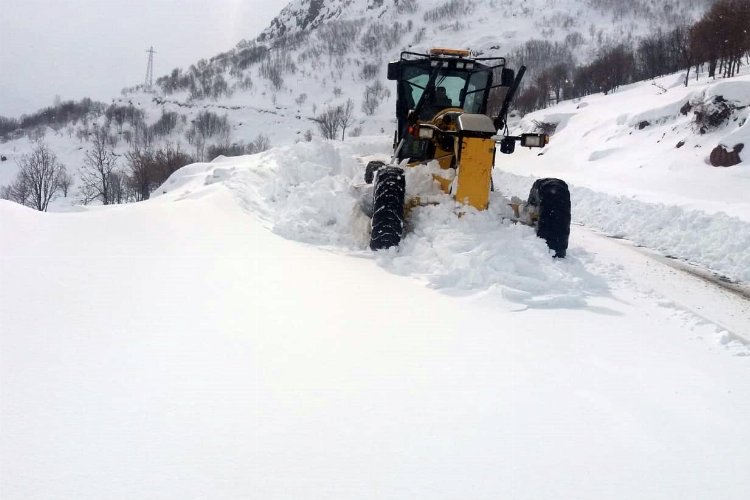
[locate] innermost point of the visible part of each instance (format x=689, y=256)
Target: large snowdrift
x=306, y=192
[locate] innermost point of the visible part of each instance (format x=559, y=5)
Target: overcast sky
x=94, y=48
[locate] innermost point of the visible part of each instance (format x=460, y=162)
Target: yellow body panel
x=445, y=184
x=474, y=175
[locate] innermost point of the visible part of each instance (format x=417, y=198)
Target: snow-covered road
x=178, y=348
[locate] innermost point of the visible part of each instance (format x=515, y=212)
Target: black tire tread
x=552, y=199
x=371, y=169
x=388, y=208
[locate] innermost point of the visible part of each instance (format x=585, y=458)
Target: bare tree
x=260, y=144
x=334, y=119
x=373, y=96
x=329, y=122
x=66, y=180
x=345, y=116
x=117, y=187
x=38, y=179
x=721, y=37
x=140, y=172
x=96, y=174
x=199, y=142
x=18, y=192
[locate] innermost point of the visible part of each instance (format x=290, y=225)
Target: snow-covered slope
x=644, y=141
x=641, y=147
x=512, y=17
x=187, y=351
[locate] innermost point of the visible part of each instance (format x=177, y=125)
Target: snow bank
x=310, y=192
x=715, y=241
x=639, y=169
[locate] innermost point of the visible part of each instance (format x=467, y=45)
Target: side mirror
x=394, y=70
x=507, y=77
x=507, y=145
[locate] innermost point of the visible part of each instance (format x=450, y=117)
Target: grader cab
x=441, y=109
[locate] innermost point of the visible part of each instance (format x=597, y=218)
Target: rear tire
x=552, y=200
x=388, y=208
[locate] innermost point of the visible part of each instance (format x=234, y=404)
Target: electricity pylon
x=150, y=69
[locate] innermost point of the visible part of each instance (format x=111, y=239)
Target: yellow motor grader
x=441, y=108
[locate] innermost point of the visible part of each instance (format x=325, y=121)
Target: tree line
x=56, y=116
x=105, y=176
x=717, y=43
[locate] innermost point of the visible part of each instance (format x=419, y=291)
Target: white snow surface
x=232, y=338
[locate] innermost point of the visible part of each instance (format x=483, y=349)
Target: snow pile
x=310, y=192
x=304, y=192
x=464, y=251
x=715, y=241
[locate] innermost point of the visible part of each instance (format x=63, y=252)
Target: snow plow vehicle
x=441, y=110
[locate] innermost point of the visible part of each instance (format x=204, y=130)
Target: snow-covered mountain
x=318, y=53
x=567, y=15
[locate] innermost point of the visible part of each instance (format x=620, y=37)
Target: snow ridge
x=310, y=192
x=718, y=242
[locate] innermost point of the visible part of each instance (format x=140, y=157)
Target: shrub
x=373, y=96
x=258, y=145
x=407, y=7
x=165, y=124
x=149, y=169
x=124, y=114
x=369, y=71
x=449, y=10
x=711, y=114
x=208, y=125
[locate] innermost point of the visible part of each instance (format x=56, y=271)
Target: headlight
x=534, y=140
x=426, y=133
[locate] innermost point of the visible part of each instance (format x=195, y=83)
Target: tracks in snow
x=674, y=283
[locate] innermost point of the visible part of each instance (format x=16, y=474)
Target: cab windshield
x=452, y=89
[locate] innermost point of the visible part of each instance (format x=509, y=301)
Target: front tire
x=388, y=208
x=371, y=169
x=551, y=198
